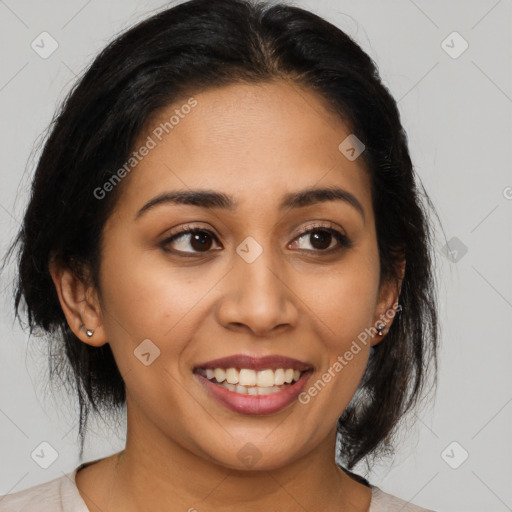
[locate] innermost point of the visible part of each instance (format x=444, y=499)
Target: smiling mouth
x=246, y=381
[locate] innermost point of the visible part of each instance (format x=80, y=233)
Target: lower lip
x=251, y=404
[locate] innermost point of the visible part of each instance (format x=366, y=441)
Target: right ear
x=79, y=302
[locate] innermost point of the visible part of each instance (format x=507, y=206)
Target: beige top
x=62, y=495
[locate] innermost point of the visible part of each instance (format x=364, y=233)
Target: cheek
x=344, y=304
x=150, y=308
x=343, y=299
x=148, y=297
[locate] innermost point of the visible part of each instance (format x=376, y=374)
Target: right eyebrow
x=202, y=198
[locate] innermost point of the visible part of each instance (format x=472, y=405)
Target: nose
x=258, y=297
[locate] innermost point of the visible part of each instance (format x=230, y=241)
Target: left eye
x=322, y=239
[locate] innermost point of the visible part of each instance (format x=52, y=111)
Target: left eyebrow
x=217, y=200
x=312, y=196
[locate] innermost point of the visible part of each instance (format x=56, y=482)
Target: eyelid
x=343, y=240
x=183, y=231
x=317, y=225
x=187, y=228
x=339, y=234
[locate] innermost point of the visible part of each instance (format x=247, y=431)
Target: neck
x=155, y=473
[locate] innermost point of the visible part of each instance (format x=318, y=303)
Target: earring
x=380, y=328
x=89, y=332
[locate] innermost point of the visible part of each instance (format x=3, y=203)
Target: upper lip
x=255, y=363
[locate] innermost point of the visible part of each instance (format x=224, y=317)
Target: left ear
x=387, y=304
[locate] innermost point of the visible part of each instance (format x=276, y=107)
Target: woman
x=225, y=233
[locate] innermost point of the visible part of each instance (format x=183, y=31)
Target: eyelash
x=342, y=239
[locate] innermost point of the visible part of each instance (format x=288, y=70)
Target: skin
x=254, y=143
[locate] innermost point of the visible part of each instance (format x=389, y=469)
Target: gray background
x=457, y=112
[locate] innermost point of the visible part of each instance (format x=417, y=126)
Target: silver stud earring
x=89, y=332
x=380, y=328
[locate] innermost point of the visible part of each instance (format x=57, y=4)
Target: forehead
x=255, y=142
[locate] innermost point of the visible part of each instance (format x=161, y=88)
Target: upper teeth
x=248, y=377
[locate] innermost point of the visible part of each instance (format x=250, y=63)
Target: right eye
x=198, y=239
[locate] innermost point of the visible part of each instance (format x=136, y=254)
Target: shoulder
x=383, y=502
x=54, y=496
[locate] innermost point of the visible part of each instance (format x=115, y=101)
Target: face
x=274, y=283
